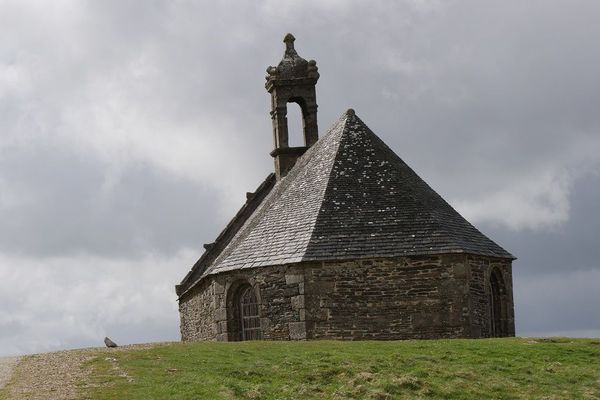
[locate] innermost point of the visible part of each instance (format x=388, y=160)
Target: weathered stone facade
x=208, y=312
x=480, y=271
x=425, y=297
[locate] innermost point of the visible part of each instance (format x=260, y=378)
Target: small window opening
x=295, y=125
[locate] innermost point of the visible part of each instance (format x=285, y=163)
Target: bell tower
x=292, y=81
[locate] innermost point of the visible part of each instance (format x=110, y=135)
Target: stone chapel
x=343, y=241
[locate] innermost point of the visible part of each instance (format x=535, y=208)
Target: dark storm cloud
x=557, y=273
x=568, y=248
x=67, y=203
x=130, y=131
x=563, y=304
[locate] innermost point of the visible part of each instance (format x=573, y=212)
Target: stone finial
x=290, y=51
x=291, y=66
x=289, y=39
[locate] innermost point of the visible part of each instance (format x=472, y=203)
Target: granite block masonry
x=343, y=241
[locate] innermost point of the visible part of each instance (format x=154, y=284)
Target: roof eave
x=217, y=271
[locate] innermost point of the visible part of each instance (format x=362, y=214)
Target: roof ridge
x=433, y=212
x=430, y=210
x=280, y=189
x=420, y=199
x=213, y=250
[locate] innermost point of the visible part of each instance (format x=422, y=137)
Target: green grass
x=443, y=369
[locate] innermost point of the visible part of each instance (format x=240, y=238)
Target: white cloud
x=533, y=201
x=538, y=197
x=119, y=100
x=53, y=303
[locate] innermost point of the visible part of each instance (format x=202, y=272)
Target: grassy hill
x=512, y=368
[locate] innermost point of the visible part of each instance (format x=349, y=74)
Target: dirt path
x=7, y=365
x=56, y=376
x=50, y=375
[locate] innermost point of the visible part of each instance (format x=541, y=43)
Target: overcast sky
x=130, y=132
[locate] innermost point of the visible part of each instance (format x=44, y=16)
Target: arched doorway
x=250, y=319
x=243, y=313
x=497, y=305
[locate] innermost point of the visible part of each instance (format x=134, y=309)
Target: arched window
x=295, y=124
x=497, y=305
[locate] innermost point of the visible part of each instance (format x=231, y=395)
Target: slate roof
x=349, y=196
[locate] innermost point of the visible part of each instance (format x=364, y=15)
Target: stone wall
x=426, y=297
x=401, y=298
x=197, y=312
x=206, y=315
